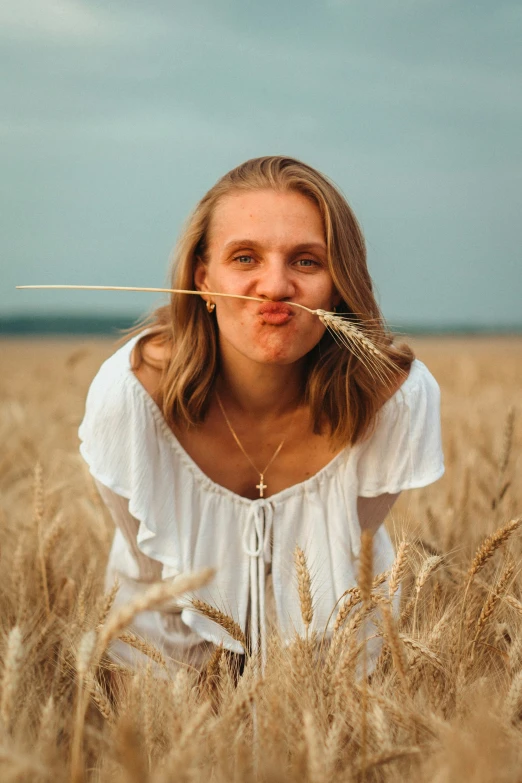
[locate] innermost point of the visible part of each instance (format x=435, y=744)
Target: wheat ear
x=494, y=597
x=398, y=568
x=354, y=596
x=484, y=553
x=155, y=596
x=512, y=706
x=108, y=602
x=304, y=587
x=491, y=544
x=144, y=647
x=427, y=568
x=353, y=338
x=84, y=657
x=222, y=619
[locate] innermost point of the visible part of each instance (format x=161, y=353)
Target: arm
x=373, y=511
x=149, y=570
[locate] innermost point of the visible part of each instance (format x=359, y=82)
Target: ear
x=200, y=275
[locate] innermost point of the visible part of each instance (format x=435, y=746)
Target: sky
x=117, y=117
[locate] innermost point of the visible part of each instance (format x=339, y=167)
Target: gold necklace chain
x=261, y=486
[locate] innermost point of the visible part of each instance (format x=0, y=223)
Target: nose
x=275, y=281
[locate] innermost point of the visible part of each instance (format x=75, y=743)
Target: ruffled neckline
x=205, y=481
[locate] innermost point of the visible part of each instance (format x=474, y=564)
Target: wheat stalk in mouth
x=343, y=329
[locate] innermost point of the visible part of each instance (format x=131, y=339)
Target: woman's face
x=269, y=245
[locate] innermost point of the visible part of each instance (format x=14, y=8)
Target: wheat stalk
x=47, y=723
x=38, y=520
x=513, y=703
x=365, y=576
x=211, y=678
x=11, y=674
x=392, y=755
x=396, y=646
x=84, y=657
x=344, y=329
x=108, y=602
x=314, y=749
x=365, y=581
x=52, y=535
x=484, y=553
x=352, y=593
x=85, y=652
x=155, y=596
x=507, y=443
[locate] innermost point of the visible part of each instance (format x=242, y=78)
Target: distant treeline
x=65, y=324
x=110, y=325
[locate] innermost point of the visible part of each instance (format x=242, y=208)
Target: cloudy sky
x=117, y=117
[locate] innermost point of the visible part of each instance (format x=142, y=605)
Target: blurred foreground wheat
x=444, y=702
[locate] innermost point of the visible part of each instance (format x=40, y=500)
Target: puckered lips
x=276, y=313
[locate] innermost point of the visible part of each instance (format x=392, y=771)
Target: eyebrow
x=252, y=243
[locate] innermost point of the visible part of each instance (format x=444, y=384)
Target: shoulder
x=148, y=361
x=419, y=384
x=113, y=391
x=412, y=406
x=119, y=430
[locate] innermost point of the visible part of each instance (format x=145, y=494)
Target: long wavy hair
x=343, y=395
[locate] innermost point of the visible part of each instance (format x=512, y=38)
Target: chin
x=280, y=354
x=279, y=346
x=279, y=359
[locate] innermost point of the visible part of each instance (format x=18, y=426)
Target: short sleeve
x=120, y=443
x=115, y=438
x=405, y=449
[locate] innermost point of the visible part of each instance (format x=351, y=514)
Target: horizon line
x=60, y=324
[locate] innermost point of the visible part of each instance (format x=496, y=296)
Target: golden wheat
x=304, y=584
x=222, y=619
x=70, y=712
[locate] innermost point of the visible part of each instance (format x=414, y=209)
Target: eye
x=307, y=262
x=244, y=260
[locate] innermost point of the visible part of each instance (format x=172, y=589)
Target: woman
x=227, y=431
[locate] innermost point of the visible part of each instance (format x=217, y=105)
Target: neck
x=260, y=390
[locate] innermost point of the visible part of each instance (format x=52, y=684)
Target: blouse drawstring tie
x=256, y=543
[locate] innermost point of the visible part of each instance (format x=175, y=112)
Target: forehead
x=265, y=216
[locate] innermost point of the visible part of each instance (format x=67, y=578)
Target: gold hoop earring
x=211, y=306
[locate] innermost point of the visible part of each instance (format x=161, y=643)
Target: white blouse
x=186, y=521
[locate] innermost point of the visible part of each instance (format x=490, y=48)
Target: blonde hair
x=343, y=395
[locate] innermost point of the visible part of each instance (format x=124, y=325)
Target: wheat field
x=444, y=702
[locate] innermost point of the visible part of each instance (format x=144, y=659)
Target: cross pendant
x=261, y=487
